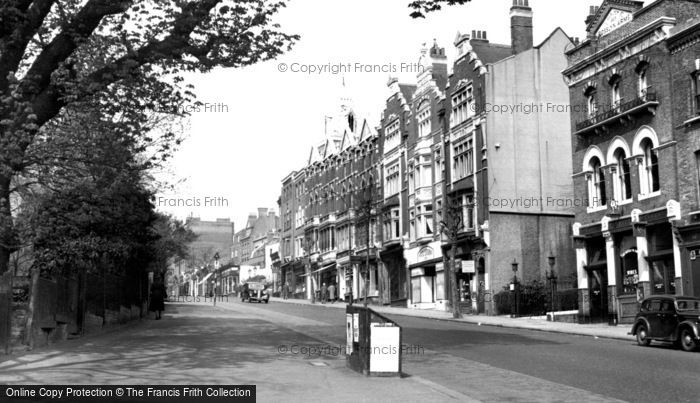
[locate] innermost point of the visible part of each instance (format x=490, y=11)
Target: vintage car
x=669, y=318
x=255, y=292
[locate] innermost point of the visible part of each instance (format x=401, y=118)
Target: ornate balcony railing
x=620, y=110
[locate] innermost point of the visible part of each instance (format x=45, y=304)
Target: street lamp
x=552, y=278
x=216, y=268
x=514, y=289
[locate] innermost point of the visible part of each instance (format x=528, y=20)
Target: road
x=238, y=343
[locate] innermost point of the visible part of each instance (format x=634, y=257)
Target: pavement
x=598, y=330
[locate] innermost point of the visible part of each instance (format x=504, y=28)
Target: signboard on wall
x=468, y=266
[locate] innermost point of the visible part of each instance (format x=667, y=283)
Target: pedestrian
x=158, y=297
x=331, y=293
x=324, y=293
x=285, y=290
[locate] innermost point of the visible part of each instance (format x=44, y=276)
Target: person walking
x=285, y=290
x=331, y=293
x=158, y=297
x=324, y=293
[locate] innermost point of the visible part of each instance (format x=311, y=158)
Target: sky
x=263, y=119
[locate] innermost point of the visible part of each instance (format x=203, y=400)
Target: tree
x=123, y=57
x=451, y=228
x=422, y=7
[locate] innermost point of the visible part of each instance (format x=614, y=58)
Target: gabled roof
x=605, y=9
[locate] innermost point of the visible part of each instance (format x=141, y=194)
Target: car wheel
x=643, y=336
x=266, y=301
x=687, y=340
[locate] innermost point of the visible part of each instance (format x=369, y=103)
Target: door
x=598, y=294
x=668, y=320
x=481, y=284
x=695, y=275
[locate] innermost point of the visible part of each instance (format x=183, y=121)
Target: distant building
x=214, y=238
x=251, y=245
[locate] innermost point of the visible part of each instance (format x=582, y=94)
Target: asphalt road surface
x=293, y=353
x=497, y=363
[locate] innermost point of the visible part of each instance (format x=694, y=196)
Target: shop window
x=440, y=286
x=630, y=272
x=416, y=291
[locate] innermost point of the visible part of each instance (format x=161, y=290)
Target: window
x=463, y=160
x=622, y=183
x=462, y=106
x=392, y=225
x=468, y=212
x=424, y=123
x=697, y=172
x=696, y=88
x=392, y=181
x=411, y=177
x=392, y=137
x=643, y=85
x=616, y=98
x=439, y=167
x=412, y=225
x=425, y=221
x=649, y=168
x=591, y=102
x=596, y=185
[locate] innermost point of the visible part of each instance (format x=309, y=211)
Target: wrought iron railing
x=618, y=109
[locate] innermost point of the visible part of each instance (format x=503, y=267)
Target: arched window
x=596, y=184
x=642, y=80
x=615, y=93
x=649, y=168
x=622, y=180
x=591, y=102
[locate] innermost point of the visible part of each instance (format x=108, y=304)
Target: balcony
x=645, y=103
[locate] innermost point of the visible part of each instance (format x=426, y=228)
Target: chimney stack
x=521, y=26
x=591, y=14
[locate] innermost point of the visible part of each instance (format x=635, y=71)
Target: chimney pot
x=484, y=34
x=473, y=34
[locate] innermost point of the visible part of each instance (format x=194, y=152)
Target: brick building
x=440, y=149
x=634, y=122
x=329, y=208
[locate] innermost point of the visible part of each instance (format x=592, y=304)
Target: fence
x=69, y=305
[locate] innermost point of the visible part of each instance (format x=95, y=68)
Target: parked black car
x=255, y=292
x=670, y=318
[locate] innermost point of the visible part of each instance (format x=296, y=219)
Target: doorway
x=598, y=294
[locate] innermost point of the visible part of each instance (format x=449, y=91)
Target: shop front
x=428, y=278
x=395, y=266
x=622, y=260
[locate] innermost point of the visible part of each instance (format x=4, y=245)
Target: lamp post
x=216, y=268
x=514, y=289
x=552, y=278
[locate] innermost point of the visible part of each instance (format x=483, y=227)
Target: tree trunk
x=6, y=226
x=33, y=296
x=454, y=297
